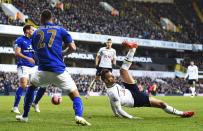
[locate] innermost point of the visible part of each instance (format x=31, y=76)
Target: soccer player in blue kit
x=25, y=66
x=47, y=42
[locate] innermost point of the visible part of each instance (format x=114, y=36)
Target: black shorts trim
x=99, y=70
x=140, y=98
x=192, y=81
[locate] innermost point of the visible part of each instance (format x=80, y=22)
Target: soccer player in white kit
x=105, y=59
x=192, y=75
x=129, y=95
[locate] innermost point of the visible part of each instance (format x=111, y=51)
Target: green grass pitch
x=98, y=112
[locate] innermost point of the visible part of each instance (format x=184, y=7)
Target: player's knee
x=23, y=82
x=162, y=104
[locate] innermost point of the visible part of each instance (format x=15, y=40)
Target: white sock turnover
x=128, y=59
x=171, y=110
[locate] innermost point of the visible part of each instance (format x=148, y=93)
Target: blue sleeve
x=32, y=38
x=18, y=43
x=67, y=39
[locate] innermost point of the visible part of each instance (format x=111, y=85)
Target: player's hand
x=96, y=66
x=31, y=60
x=114, y=66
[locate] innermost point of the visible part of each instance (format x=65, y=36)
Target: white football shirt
x=192, y=72
x=107, y=55
x=119, y=96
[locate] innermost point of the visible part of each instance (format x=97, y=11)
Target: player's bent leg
x=169, y=109
x=126, y=77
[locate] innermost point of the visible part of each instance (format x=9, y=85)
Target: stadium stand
x=136, y=19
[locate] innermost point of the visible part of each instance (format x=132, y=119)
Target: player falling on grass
x=129, y=95
x=47, y=42
x=105, y=59
x=192, y=75
x=25, y=65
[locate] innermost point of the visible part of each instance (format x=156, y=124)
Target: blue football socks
x=78, y=106
x=18, y=95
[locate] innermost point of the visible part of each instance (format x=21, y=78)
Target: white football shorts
x=45, y=78
x=25, y=71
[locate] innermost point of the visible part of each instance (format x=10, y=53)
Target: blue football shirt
x=24, y=43
x=47, y=42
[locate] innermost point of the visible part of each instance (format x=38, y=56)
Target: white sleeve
x=116, y=106
x=114, y=110
x=99, y=52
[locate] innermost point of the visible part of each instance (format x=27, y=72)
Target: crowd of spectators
x=168, y=86
x=136, y=19
x=196, y=57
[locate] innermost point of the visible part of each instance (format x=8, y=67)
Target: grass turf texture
x=99, y=114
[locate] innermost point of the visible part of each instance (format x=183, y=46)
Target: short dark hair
x=109, y=39
x=46, y=15
x=26, y=27
x=103, y=74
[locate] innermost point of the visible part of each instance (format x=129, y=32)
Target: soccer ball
x=56, y=99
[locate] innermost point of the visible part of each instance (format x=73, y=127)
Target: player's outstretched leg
x=78, y=108
x=38, y=97
x=29, y=96
x=18, y=95
x=126, y=77
x=169, y=109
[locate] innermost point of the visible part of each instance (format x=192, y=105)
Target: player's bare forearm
x=70, y=49
x=20, y=55
x=114, y=62
x=97, y=60
x=67, y=51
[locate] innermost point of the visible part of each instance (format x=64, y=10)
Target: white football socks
x=128, y=59
x=192, y=91
x=171, y=110
x=91, y=84
x=130, y=54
